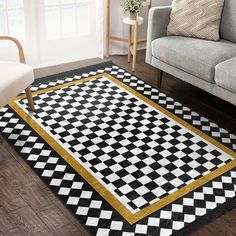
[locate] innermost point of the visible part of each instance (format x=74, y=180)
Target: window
x=52, y=31
x=12, y=18
x=69, y=29
x=63, y=13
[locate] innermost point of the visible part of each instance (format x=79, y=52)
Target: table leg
x=135, y=46
x=149, y=7
x=129, y=43
x=108, y=28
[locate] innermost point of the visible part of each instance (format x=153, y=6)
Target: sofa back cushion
x=228, y=21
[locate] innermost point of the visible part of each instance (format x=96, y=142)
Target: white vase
x=132, y=16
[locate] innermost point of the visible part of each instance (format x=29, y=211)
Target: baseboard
x=60, y=68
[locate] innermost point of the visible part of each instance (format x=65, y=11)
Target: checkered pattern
x=91, y=209
x=137, y=152
x=200, y=122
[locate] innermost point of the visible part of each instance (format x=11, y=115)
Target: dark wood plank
x=5, y=161
x=7, y=227
x=59, y=224
x=9, y=198
x=66, y=212
x=27, y=221
x=224, y=225
x=16, y=176
x=36, y=197
x=20, y=161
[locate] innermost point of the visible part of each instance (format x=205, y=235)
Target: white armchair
x=15, y=77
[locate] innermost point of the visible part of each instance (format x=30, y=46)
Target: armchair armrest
x=158, y=21
x=19, y=46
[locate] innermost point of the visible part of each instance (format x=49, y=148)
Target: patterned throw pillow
x=196, y=18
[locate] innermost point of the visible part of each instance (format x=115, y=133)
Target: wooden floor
x=27, y=206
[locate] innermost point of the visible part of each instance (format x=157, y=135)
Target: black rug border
x=59, y=197
x=207, y=218
x=186, y=230
x=72, y=73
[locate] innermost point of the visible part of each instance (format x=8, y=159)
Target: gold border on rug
x=107, y=195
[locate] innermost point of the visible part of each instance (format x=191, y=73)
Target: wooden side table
x=132, y=44
x=109, y=37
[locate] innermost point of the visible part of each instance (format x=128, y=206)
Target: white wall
x=119, y=29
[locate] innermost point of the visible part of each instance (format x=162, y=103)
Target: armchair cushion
x=194, y=56
x=15, y=77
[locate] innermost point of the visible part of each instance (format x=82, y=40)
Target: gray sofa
x=208, y=65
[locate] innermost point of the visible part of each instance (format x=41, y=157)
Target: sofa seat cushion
x=15, y=77
x=194, y=56
x=226, y=75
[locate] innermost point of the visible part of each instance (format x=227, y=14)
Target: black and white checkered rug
x=122, y=156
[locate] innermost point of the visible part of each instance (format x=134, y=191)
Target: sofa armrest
x=158, y=20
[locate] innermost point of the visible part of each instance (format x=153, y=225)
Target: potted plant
x=132, y=7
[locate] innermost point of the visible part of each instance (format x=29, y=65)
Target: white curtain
x=100, y=27
x=52, y=31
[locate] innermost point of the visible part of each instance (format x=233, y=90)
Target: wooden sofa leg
x=30, y=98
x=159, y=78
